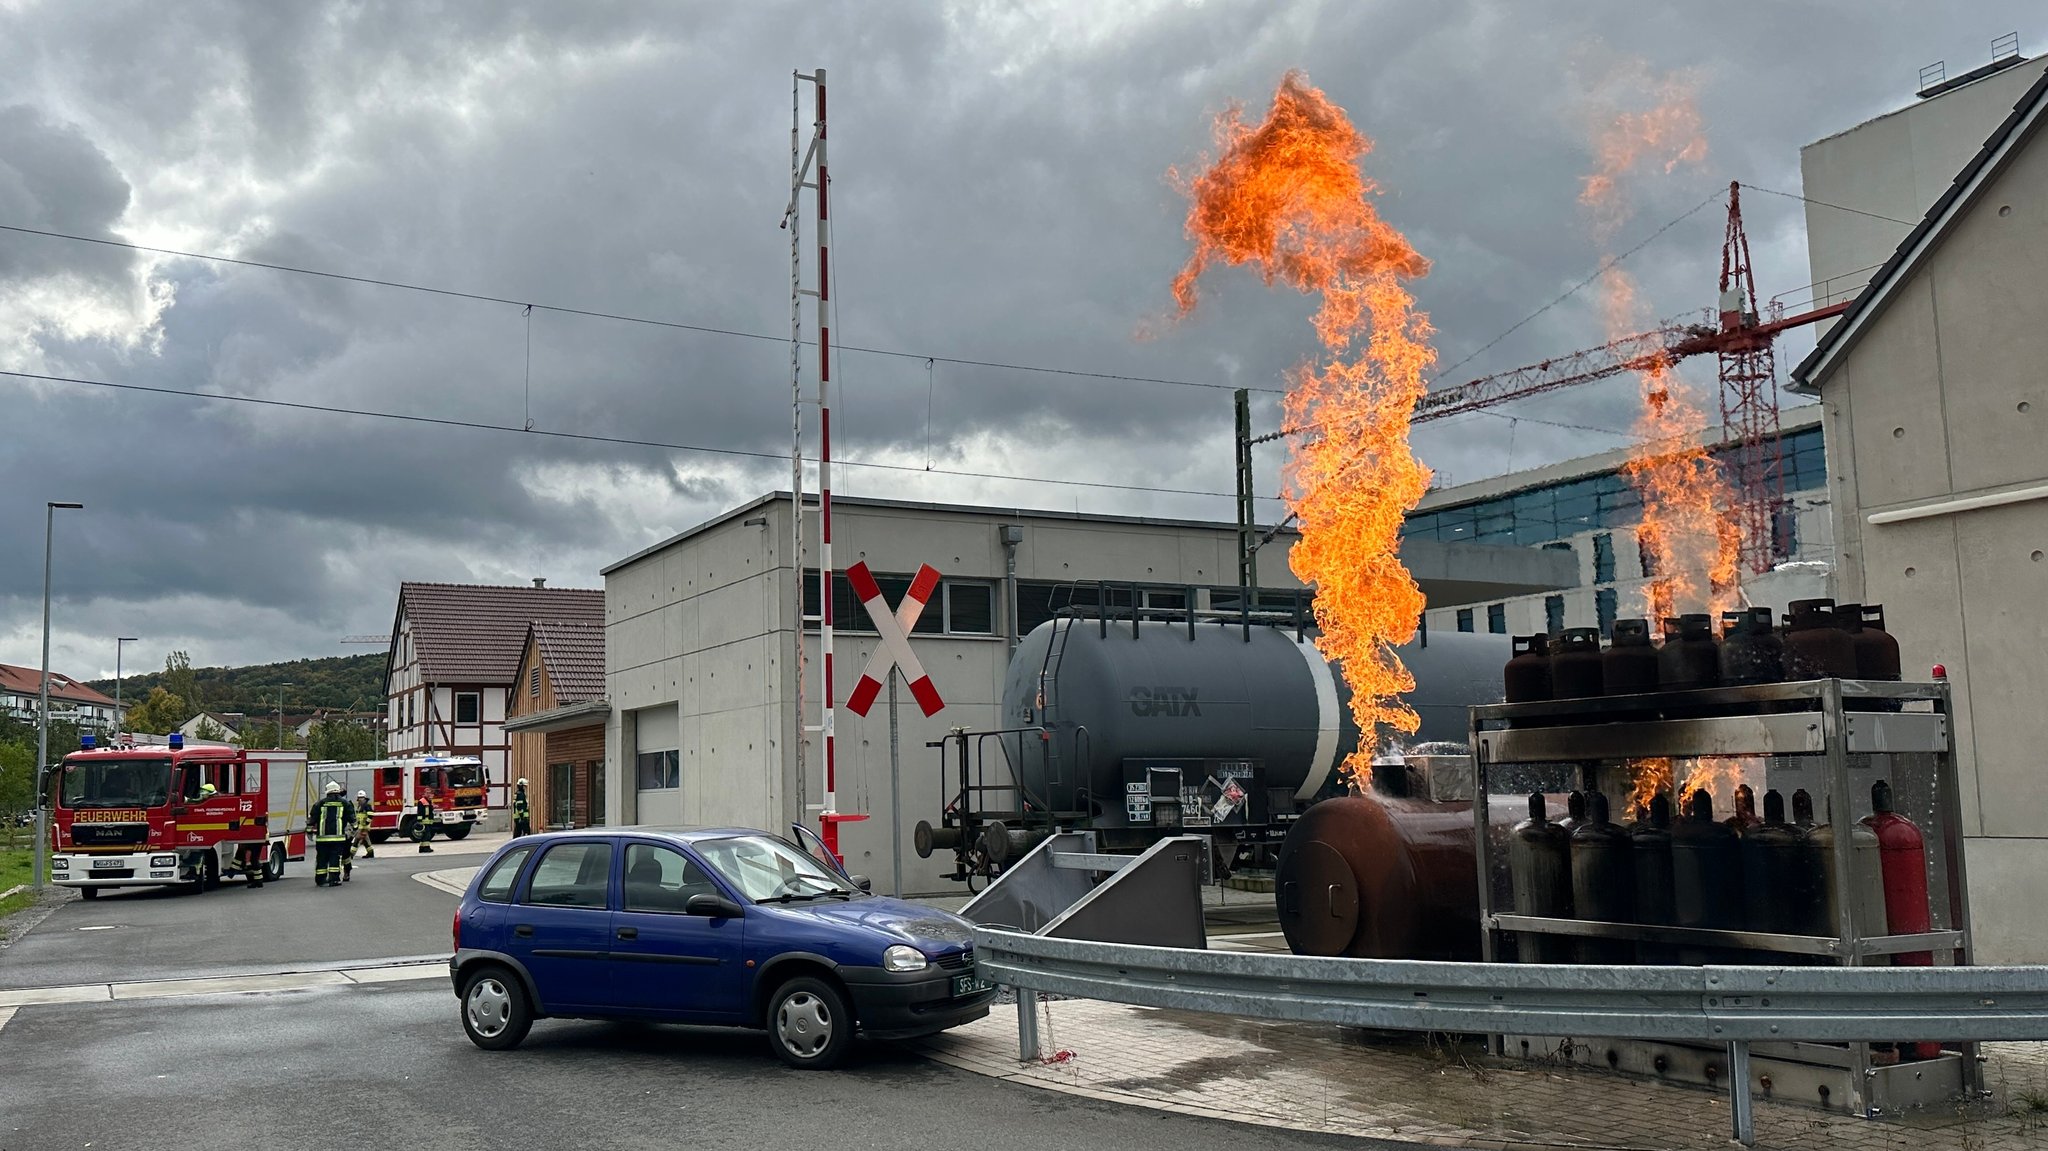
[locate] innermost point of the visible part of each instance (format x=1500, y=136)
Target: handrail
x=1726, y=1005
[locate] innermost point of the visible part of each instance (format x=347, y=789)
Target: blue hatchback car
x=724, y=926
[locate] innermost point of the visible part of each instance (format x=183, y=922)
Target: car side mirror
x=862, y=882
x=712, y=907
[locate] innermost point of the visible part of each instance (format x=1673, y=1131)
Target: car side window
x=498, y=881
x=662, y=879
x=572, y=875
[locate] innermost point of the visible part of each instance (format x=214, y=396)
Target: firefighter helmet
x=333, y=788
x=360, y=794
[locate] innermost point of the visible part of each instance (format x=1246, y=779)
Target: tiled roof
x=574, y=655
x=17, y=680
x=474, y=633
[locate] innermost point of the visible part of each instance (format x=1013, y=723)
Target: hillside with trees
x=333, y=683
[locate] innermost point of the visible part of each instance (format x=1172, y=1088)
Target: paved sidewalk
x=1320, y=1078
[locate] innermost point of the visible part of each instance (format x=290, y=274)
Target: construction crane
x=1737, y=333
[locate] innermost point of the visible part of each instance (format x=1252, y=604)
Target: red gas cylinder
x=1902, y=856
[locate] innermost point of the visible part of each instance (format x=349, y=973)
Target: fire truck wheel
x=494, y=1009
x=273, y=869
x=378, y=837
x=209, y=871
x=89, y=892
x=458, y=830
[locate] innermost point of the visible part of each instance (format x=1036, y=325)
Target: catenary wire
x=620, y=317
x=1826, y=204
x=592, y=437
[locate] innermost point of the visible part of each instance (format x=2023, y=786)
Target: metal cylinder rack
x=1831, y=738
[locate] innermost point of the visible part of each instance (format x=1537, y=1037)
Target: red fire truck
x=455, y=784
x=137, y=815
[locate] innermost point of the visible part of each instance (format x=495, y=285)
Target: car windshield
x=116, y=783
x=767, y=870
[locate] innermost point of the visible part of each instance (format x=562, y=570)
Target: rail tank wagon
x=1144, y=728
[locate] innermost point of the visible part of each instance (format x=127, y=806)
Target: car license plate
x=968, y=984
x=97, y=864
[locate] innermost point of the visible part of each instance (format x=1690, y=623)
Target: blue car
x=724, y=926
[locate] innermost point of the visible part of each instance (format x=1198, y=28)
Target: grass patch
x=2030, y=1102
x=17, y=865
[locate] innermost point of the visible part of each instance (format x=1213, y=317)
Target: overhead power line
x=619, y=317
x=1836, y=207
x=592, y=437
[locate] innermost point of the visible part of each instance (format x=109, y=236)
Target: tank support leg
x=1027, y=1026
x=1741, y=1108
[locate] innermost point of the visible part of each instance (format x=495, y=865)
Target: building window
x=653, y=770
x=1604, y=603
x=561, y=795
x=1497, y=618
x=469, y=707
x=533, y=682
x=970, y=607
x=1645, y=554
x=1464, y=619
x=1603, y=558
x=1553, y=614
x=1784, y=531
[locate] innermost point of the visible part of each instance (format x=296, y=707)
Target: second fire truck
x=454, y=784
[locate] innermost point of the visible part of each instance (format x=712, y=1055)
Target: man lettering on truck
x=332, y=822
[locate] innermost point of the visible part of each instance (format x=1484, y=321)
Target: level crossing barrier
x=1730, y=1006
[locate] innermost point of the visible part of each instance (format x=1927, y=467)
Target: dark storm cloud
x=1000, y=193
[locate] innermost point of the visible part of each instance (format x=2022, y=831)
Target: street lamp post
x=280, y=711
x=43, y=706
x=120, y=716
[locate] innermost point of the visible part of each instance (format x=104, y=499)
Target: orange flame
x=1686, y=531
x=1289, y=197
x=1647, y=778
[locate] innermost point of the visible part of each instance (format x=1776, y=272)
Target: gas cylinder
x=1877, y=653
x=1630, y=665
x=1772, y=852
x=1689, y=658
x=1575, y=664
x=1704, y=873
x=1751, y=651
x=1651, y=840
x=1864, y=884
x=1902, y=855
x=1806, y=894
x=1540, y=871
x=1745, y=816
x=1526, y=677
x=1814, y=647
x=1603, y=881
x=1574, y=812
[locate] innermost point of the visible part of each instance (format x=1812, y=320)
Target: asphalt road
x=388, y=1065
x=162, y=933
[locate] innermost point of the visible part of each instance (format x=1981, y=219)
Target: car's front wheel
x=809, y=1024
x=495, y=1012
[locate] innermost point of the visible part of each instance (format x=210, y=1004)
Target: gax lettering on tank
x=1164, y=702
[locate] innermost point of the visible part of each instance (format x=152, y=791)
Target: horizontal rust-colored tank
x=1382, y=877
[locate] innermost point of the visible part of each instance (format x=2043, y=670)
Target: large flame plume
x=1689, y=540
x=1289, y=197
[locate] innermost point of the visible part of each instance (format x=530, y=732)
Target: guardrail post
x=1740, y=1106
x=1027, y=1026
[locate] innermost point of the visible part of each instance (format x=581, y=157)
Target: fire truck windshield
x=465, y=775
x=117, y=783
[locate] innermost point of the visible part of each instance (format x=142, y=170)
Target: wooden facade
x=564, y=766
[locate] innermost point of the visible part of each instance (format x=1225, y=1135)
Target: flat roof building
x=699, y=637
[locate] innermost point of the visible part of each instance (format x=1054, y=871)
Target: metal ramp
x=1151, y=899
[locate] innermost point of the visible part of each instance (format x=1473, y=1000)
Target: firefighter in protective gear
x=363, y=841
x=522, y=813
x=330, y=822
x=423, y=823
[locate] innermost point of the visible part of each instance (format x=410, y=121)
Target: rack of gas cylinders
x=1840, y=842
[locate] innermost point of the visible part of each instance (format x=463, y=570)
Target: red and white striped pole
x=825, y=574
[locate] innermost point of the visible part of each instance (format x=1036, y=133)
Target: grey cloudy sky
x=1000, y=194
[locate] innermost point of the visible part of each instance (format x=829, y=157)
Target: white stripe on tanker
x=1328, y=721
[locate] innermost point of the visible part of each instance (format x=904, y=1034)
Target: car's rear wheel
x=809, y=1024
x=495, y=1012
x=457, y=830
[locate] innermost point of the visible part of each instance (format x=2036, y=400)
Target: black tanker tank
x=1097, y=702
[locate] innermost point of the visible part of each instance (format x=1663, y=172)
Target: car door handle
x=629, y=933
x=523, y=930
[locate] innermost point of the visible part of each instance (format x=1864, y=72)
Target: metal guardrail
x=1732, y=1006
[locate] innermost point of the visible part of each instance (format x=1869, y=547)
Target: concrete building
x=70, y=699
x=699, y=635
x=556, y=720
x=1587, y=510
x=448, y=673
x=1936, y=416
